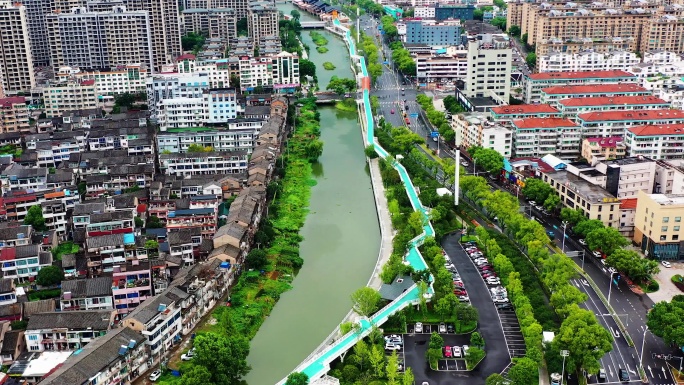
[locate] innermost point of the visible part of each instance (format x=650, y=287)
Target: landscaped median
x=268, y=274
x=530, y=272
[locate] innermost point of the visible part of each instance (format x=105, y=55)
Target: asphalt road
x=630, y=307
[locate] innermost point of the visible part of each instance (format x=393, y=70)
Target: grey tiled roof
x=95, y=319
x=9, y=342
x=111, y=216
x=92, y=287
x=6, y=285
x=182, y=236
x=26, y=251
x=97, y=356
x=11, y=232
x=42, y=306
x=104, y=241
x=231, y=229
x=88, y=208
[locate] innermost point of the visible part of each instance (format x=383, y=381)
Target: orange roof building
x=550, y=94
x=657, y=141
x=522, y=111
x=536, y=137
x=615, y=123
x=609, y=103
x=534, y=83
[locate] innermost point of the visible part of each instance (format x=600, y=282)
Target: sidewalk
x=386, y=231
x=667, y=288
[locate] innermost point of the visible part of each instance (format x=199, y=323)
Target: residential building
x=86, y=294
x=668, y=89
x=107, y=252
x=72, y=95
x=658, y=225
x=285, y=67
x=658, y=140
x=262, y=20
x=534, y=83
x=35, y=17
x=215, y=23
x=131, y=285
x=553, y=94
x=424, y=12
x=664, y=30
x=119, y=356
x=204, y=163
x=489, y=68
x=13, y=345
x=577, y=193
x=129, y=78
x=118, y=178
x=99, y=39
x=215, y=106
x=159, y=320
x=255, y=73
x=23, y=262
x=476, y=130
x=587, y=61
x=579, y=105
x=182, y=239
x=8, y=292
x=627, y=215
x=625, y=177
x=14, y=115
x=599, y=149
x=669, y=178
x=170, y=86
x=179, y=140
x=16, y=58
x=433, y=70
x=618, y=123
x=32, y=367
x=456, y=12
x=59, y=331
x=535, y=137
x=11, y=237
x=505, y=115
x=432, y=33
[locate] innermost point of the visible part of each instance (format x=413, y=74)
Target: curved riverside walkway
x=318, y=364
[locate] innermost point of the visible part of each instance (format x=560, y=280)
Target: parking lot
x=512, y=333
x=451, y=364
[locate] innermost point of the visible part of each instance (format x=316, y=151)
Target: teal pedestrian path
x=318, y=364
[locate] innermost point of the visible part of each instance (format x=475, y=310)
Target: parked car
x=457, y=351
x=450, y=328
x=154, y=376
x=602, y=375
x=464, y=163
x=533, y=203
x=419, y=327
x=463, y=298
x=465, y=350
x=392, y=347
x=487, y=274
x=189, y=355
x=582, y=242
x=612, y=270
x=597, y=254
x=458, y=284
x=500, y=300
x=493, y=281
x=504, y=306
x=394, y=339
x=485, y=267
x=447, y=351
x=666, y=264
x=442, y=327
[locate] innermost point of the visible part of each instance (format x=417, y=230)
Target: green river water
x=341, y=237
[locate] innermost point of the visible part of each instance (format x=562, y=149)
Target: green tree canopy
x=341, y=86
x=572, y=216
x=49, y=275
x=487, y=158
x=666, y=320
x=295, y=15
x=365, y=301
x=536, y=190
x=586, y=226
x=224, y=356
x=630, y=263
x=297, y=378
x=199, y=148
x=256, y=259
x=307, y=68
x=524, y=372
x=34, y=217
x=606, y=239
x=514, y=31
x=585, y=339
x=192, y=41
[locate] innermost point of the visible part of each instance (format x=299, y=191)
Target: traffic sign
x=414, y=115
x=434, y=134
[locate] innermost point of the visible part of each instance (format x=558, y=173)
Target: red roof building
x=534, y=83
x=581, y=75
x=543, y=123
x=657, y=141
x=601, y=90
x=609, y=103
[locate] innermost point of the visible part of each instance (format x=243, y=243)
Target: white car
x=666, y=264
x=583, y=242
x=442, y=328
x=500, y=300
x=155, y=375
x=597, y=254
x=463, y=298
x=189, y=355
x=612, y=270
x=392, y=347
x=457, y=351
x=533, y=203
x=495, y=281
x=419, y=327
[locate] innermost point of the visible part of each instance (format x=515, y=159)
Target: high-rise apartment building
x=262, y=20
x=16, y=59
x=239, y=6
x=35, y=16
x=489, y=68
x=214, y=23
x=99, y=40
x=164, y=28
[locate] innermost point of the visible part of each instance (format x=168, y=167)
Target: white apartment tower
x=16, y=59
x=99, y=40
x=489, y=68
x=239, y=6
x=262, y=20
x=35, y=16
x=215, y=23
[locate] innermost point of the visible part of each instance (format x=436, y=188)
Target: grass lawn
x=469, y=238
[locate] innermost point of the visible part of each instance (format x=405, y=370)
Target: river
x=341, y=238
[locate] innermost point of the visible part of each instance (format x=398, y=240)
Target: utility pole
x=358, y=25
x=610, y=287
x=565, y=225
x=457, y=165
x=563, y=353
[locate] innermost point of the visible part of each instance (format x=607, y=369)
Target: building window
x=676, y=228
x=663, y=228
x=678, y=219
x=675, y=237
x=666, y=219
x=663, y=237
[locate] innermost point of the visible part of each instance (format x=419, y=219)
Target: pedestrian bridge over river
x=318, y=363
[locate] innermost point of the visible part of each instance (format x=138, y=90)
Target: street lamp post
x=563, y=353
x=565, y=225
x=610, y=288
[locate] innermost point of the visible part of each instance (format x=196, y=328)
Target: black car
x=623, y=375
